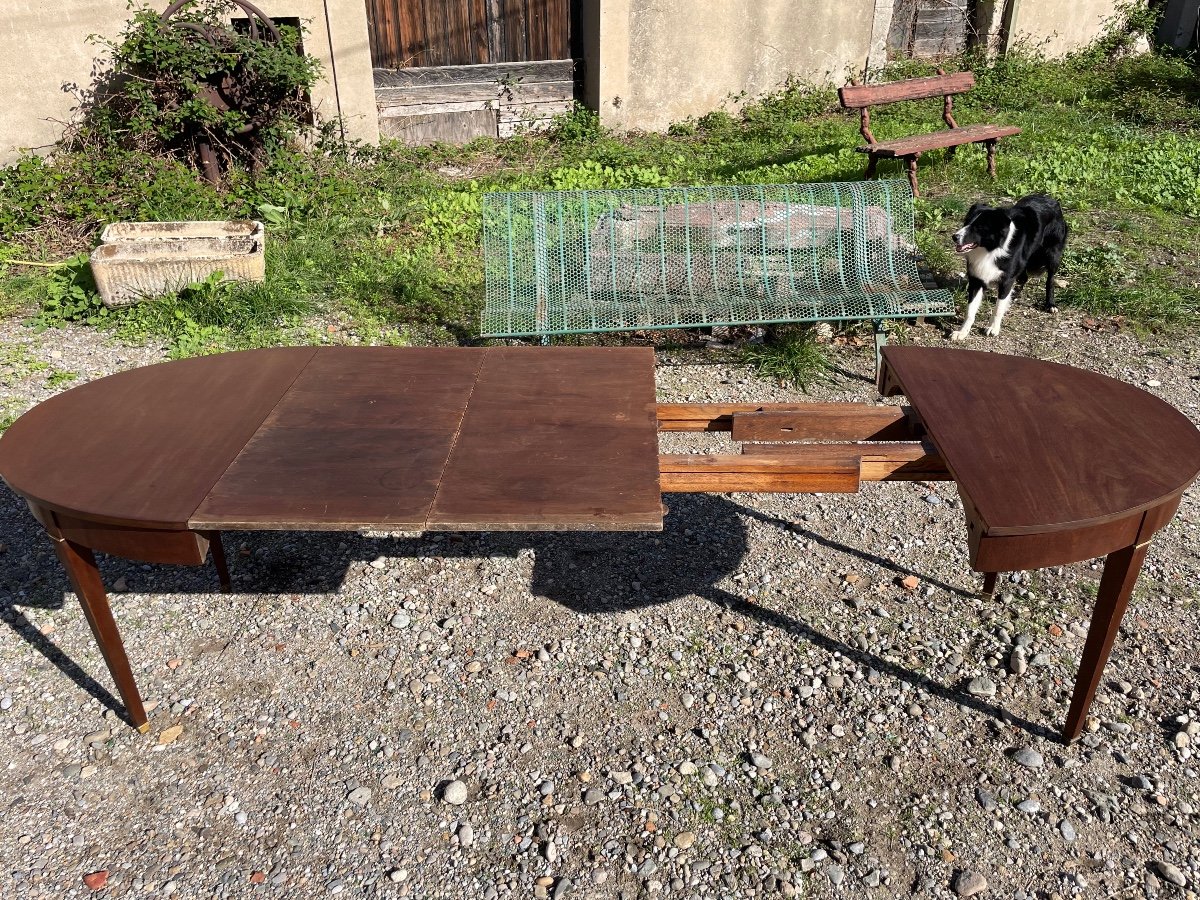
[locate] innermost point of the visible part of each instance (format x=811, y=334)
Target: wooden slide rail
x=814, y=448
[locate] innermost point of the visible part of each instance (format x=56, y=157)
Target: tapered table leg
x=218, y=555
x=1121, y=570
x=80, y=564
x=989, y=584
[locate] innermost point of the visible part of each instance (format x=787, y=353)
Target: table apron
x=1021, y=552
x=148, y=545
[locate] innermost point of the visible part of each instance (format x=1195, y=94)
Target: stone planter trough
x=139, y=260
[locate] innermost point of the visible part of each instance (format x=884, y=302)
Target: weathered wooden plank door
x=423, y=33
x=928, y=29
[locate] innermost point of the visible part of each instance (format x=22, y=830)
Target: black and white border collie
x=1004, y=246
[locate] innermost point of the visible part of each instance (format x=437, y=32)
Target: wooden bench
x=863, y=96
x=575, y=262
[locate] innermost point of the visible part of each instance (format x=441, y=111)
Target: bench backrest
x=561, y=262
x=859, y=96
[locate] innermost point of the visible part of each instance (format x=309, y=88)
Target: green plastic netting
x=569, y=262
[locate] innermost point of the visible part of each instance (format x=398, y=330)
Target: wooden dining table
x=1054, y=464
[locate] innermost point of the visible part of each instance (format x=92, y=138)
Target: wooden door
x=423, y=33
x=928, y=29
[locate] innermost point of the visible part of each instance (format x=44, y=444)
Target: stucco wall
x=44, y=50
x=653, y=62
x=1057, y=27
x=664, y=60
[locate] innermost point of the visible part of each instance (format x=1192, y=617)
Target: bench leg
x=880, y=342
x=872, y=162
x=991, y=157
x=912, y=172
x=989, y=584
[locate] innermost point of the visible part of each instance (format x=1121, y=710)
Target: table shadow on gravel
x=705, y=540
x=38, y=582
x=680, y=566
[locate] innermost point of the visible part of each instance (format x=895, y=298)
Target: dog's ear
x=975, y=208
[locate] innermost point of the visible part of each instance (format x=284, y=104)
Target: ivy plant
x=194, y=86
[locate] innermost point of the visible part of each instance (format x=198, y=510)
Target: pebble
x=759, y=761
x=969, y=883
x=97, y=737
x=400, y=620
x=685, y=839
x=1067, y=830
x=169, y=735
x=466, y=834
x=1017, y=663
x=455, y=793
x=836, y=873
x=593, y=796
x=981, y=687
x=360, y=796
x=1031, y=807
x=96, y=880
x=6, y=703
x=1170, y=872
x=1028, y=757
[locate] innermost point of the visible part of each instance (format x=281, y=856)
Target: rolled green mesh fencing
x=569, y=262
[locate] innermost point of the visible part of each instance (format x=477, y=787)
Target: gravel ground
x=749, y=704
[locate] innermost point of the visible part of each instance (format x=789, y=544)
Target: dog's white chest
x=984, y=264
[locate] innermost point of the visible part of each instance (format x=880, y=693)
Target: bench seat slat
x=949, y=137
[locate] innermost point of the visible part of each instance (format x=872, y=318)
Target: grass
x=792, y=355
x=382, y=244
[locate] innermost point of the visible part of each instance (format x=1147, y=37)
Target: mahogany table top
x=486, y=438
x=1040, y=447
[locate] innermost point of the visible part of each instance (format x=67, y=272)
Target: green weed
x=59, y=377
x=10, y=410
x=18, y=363
x=71, y=296
x=212, y=316
x=793, y=355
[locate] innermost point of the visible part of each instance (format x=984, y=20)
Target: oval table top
x=1040, y=446
x=449, y=438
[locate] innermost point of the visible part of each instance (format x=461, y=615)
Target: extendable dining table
x=1054, y=464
